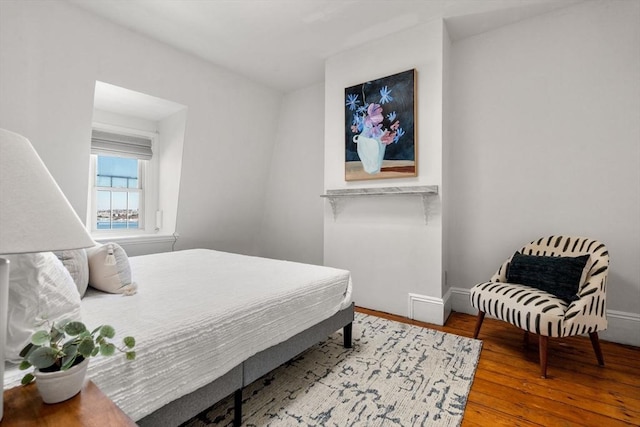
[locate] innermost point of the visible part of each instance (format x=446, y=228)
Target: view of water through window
x=117, y=207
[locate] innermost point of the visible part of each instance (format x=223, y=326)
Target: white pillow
x=40, y=290
x=78, y=265
x=109, y=269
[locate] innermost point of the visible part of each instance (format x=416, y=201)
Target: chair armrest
x=501, y=274
x=589, y=313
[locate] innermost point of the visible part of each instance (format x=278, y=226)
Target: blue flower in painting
x=352, y=101
x=357, y=124
x=369, y=119
x=385, y=95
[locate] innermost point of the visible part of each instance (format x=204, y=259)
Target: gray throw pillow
x=78, y=265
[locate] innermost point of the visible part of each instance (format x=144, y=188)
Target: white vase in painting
x=371, y=153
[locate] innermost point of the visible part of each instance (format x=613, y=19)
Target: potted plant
x=60, y=357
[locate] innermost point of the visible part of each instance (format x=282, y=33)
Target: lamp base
x=4, y=296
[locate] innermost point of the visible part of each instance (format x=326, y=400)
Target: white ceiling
x=284, y=43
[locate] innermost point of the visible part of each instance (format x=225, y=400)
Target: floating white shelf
x=424, y=191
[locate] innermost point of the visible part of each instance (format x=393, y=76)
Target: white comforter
x=197, y=314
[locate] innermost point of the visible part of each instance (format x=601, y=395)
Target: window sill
x=138, y=239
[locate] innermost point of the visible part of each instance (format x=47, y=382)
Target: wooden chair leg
x=544, y=341
x=595, y=342
x=478, y=323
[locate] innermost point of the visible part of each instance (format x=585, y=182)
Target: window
x=118, y=193
x=120, y=199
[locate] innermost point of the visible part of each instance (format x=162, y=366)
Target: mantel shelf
x=424, y=191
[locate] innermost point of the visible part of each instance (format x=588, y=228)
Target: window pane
x=133, y=216
x=104, y=210
x=120, y=170
x=119, y=182
x=119, y=210
x=103, y=181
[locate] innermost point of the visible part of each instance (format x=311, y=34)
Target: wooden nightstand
x=89, y=408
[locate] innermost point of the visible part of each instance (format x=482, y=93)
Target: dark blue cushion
x=559, y=276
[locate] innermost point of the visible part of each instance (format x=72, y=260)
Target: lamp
x=35, y=216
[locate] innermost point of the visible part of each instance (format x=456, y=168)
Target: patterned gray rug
x=395, y=375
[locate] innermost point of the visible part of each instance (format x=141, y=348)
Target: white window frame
x=148, y=188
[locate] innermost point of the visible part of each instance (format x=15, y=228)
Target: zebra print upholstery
x=542, y=313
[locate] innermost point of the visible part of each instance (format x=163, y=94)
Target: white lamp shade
x=35, y=216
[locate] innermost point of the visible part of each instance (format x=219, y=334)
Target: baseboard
x=624, y=328
x=429, y=309
x=460, y=301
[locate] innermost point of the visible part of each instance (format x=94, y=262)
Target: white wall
x=545, y=133
x=51, y=54
x=172, y=134
x=446, y=160
x=123, y=121
x=384, y=241
x=293, y=215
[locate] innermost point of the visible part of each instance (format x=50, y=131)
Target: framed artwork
x=380, y=128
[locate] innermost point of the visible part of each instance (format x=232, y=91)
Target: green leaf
x=27, y=379
x=86, y=346
x=57, y=333
x=43, y=357
x=40, y=338
x=70, y=354
x=107, y=349
x=31, y=349
x=95, y=351
x=74, y=328
x=25, y=351
x=59, y=327
x=131, y=355
x=67, y=363
x=24, y=365
x=72, y=342
x=130, y=342
x=107, y=331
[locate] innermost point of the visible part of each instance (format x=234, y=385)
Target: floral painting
x=380, y=128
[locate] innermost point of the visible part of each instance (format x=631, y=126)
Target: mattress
x=196, y=315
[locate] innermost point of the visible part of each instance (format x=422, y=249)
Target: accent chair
x=552, y=287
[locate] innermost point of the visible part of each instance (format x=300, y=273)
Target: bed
x=207, y=324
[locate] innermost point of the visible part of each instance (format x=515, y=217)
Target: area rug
x=395, y=375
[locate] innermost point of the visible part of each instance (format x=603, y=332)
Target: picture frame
x=380, y=130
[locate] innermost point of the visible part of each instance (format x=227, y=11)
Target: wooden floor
x=507, y=389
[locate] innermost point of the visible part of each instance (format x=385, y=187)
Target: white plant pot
x=58, y=386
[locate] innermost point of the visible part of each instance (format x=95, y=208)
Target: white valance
x=118, y=145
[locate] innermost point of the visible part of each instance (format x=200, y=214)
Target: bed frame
x=188, y=406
